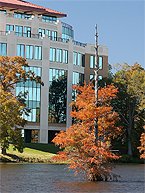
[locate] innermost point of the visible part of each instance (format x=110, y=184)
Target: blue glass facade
x=67, y=33
x=3, y=49
x=33, y=96
x=49, y=19
x=57, y=95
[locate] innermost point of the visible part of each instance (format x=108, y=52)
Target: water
x=48, y=178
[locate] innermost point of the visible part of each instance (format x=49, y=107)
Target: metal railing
x=30, y=35
x=79, y=43
x=67, y=25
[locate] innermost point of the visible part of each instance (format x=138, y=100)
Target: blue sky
x=120, y=25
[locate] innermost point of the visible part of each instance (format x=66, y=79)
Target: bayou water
x=43, y=178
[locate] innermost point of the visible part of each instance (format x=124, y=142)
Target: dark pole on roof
x=96, y=88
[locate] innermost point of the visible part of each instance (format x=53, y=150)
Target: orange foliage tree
x=142, y=147
x=78, y=141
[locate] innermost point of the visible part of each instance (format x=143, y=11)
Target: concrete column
x=59, y=29
x=69, y=82
x=35, y=25
x=11, y=44
x=43, y=138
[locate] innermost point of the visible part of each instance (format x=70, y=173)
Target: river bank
x=43, y=153
x=33, y=153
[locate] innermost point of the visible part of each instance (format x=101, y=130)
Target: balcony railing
x=67, y=25
x=79, y=43
x=37, y=36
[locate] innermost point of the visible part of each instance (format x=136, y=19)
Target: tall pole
x=96, y=88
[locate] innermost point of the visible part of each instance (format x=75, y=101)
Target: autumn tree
x=80, y=149
x=142, y=146
x=12, y=107
x=130, y=103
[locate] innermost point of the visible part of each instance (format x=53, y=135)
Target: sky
x=120, y=25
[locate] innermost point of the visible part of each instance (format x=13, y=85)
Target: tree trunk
x=3, y=150
x=129, y=141
x=129, y=129
x=93, y=177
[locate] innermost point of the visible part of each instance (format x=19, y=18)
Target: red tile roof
x=24, y=5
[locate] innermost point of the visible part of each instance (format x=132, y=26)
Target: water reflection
x=39, y=178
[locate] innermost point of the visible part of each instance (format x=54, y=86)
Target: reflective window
x=38, y=53
x=27, y=32
x=78, y=78
x=9, y=28
x=59, y=55
x=52, y=55
x=75, y=58
x=66, y=34
x=3, y=49
x=22, y=15
x=79, y=59
x=91, y=77
x=41, y=32
x=48, y=32
x=20, y=50
x=29, y=52
x=19, y=30
x=65, y=56
x=48, y=19
x=4, y=11
x=100, y=62
x=57, y=95
x=54, y=35
x=91, y=61
x=33, y=96
x=100, y=77
x=83, y=60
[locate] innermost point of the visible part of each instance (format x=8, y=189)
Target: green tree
x=13, y=107
x=130, y=103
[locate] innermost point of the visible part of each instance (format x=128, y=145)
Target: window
x=79, y=59
x=29, y=52
x=38, y=53
x=9, y=28
x=65, y=56
x=59, y=55
x=67, y=33
x=48, y=32
x=3, y=49
x=91, y=77
x=19, y=30
x=48, y=19
x=20, y=50
x=41, y=32
x=27, y=32
x=57, y=95
x=78, y=78
x=83, y=60
x=4, y=11
x=54, y=35
x=33, y=96
x=100, y=62
x=22, y=15
x=91, y=61
x=100, y=78
x=75, y=58
x=52, y=55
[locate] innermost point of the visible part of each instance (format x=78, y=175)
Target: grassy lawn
x=33, y=153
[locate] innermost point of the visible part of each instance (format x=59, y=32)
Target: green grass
x=32, y=153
